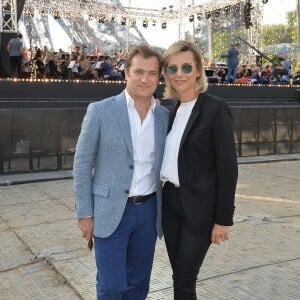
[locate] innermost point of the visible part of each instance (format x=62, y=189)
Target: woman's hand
x=219, y=234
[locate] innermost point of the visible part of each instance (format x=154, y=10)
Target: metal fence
x=45, y=139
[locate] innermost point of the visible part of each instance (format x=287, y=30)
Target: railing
x=45, y=139
x=42, y=139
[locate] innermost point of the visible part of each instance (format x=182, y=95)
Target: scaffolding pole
x=8, y=18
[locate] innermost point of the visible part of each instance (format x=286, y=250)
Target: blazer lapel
x=173, y=115
x=192, y=118
x=121, y=110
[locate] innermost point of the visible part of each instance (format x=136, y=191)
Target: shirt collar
x=130, y=101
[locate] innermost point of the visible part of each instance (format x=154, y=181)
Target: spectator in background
x=15, y=49
x=286, y=67
x=108, y=70
x=265, y=74
x=243, y=75
x=296, y=77
x=232, y=63
x=276, y=74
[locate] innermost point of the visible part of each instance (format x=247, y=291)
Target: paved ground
x=42, y=255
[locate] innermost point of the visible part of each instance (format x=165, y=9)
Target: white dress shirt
x=169, y=169
x=143, y=143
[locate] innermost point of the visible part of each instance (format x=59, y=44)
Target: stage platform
x=40, y=121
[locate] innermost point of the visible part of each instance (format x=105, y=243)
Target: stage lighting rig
x=247, y=14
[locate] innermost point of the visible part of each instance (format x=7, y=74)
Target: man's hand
x=219, y=234
x=86, y=226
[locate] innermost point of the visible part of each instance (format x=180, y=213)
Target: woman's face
x=182, y=74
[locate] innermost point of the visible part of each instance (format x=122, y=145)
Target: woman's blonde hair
x=182, y=46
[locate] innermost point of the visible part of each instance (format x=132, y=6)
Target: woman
x=199, y=168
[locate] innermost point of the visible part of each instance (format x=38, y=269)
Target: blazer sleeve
x=84, y=161
x=226, y=160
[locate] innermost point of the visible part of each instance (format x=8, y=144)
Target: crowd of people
x=269, y=73
x=77, y=65
x=43, y=63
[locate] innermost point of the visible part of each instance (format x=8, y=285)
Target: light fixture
x=207, y=15
x=227, y=9
x=43, y=12
x=191, y=18
x=199, y=16
x=164, y=25
x=29, y=12
x=264, y=1
x=101, y=19
x=145, y=23
x=217, y=13
x=123, y=21
x=247, y=14
x=56, y=15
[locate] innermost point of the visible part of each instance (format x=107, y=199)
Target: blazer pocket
x=101, y=190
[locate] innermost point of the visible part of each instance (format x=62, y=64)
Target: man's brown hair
x=145, y=51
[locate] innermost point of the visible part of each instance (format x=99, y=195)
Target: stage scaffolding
x=8, y=18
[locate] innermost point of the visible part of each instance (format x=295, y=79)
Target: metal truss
x=113, y=8
x=8, y=16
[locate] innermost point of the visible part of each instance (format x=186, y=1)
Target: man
x=15, y=49
x=116, y=178
x=232, y=63
x=108, y=70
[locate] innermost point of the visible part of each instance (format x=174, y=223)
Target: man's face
x=142, y=77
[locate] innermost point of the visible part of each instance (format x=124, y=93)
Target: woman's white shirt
x=169, y=169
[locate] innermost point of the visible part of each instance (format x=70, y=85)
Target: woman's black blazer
x=207, y=165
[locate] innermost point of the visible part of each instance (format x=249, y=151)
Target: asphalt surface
x=42, y=254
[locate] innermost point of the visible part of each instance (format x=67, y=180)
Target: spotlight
x=43, y=12
x=207, y=15
x=29, y=12
x=264, y=1
x=164, y=25
x=56, y=15
x=145, y=23
x=227, y=10
x=123, y=21
x=191, y=18
x=199, y=16
x=247, y=14
x=101, y=19
x=217, y=13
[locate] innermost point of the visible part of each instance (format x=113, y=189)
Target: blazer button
x=126, y=192
x=131, y=167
